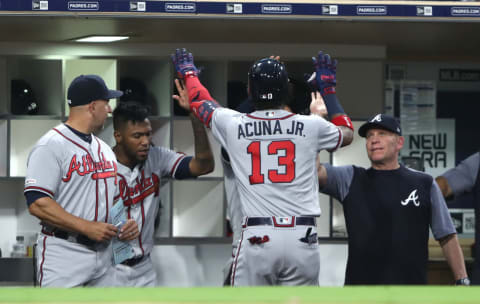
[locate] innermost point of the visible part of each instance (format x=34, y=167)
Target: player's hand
x=182, y=97
x=183, y=63
x=325, y=73
x=100, y=232
x=129, y=231
x=317, y=106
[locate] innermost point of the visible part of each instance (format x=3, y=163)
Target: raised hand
x=183, y=63
x=325, y=73
x=182, y=97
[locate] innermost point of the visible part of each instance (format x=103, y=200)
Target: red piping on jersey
x=236, y=260
x=279, y=118
x=141, y=229
x=83, y=148
x=38, y=188
x=175, y=164
x=102, y=157
x=43, y=259
x=340, y=135
x=115, y=198
x=71, y=140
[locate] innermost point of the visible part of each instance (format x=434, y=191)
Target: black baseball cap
x=381, y=121
x=87, y=88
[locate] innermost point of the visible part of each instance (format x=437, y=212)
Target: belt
x=71, y=237
x=280, y=221
x=134, y=261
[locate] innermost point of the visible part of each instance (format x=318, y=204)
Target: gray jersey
x=234, y=209
x=462, y=178
x=340, y=178
x=139, y=189
x=273, y=155
x=81, y=177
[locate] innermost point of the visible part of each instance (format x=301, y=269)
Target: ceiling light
x=100, y=39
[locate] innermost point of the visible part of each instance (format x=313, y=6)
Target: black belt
x=134, y=261
x=76, y=238
x=278, y=221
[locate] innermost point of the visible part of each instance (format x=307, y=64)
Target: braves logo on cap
x=377, y=118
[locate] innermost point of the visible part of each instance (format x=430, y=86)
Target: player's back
x=273, y=156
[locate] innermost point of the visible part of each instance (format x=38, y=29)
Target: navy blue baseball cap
x=381, y=121
x=86, y=88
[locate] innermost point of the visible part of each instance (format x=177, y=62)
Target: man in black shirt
x=388, y=211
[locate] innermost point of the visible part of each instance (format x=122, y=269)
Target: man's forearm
x=454, y=255
x=50, y=212
x=203, y=161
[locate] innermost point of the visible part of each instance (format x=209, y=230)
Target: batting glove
x=183, y=63
x=326, y=73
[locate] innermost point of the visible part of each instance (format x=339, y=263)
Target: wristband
x=342, y=120
x=204, y=110
x=463, y=281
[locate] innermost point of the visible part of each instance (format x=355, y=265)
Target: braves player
x=388, y=210
x=141, y=168
x=70, y=183
x=298, y=102
x=273, y=154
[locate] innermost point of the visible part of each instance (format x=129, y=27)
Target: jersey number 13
x=288, y=161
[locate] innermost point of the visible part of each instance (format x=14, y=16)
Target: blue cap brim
x=362, y=131
x=114, y=94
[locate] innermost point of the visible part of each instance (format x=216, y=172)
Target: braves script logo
x=143, y=188
x=412, y=197
x=88, y=165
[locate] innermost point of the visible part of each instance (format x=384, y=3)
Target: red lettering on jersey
x=90, y=166
x=144, y=188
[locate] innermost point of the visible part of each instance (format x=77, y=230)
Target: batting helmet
x=268, y=83
x=133, y=90
x=299, y=98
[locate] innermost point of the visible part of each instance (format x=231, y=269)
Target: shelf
x=198, y=212
x=147, y=81
x=23, y=137
x=43, y=78
x=183, y=141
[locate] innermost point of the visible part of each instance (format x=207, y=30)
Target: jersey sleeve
x=166, y=160
x=462, y=178
x=441, y=222
x=339, y=180
x=219, y=124
x=43, y=171
x=330, y=137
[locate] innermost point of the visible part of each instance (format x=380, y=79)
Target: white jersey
x=139, y=188
x=273, y=156
x=79, y=176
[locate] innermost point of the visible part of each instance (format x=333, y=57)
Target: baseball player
x=297, y=103
x=273, y=154
x=140, y=170
x=464, y=178
x=388, y=210
x=70, y=183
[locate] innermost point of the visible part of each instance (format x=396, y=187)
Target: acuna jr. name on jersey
x=269, y=127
